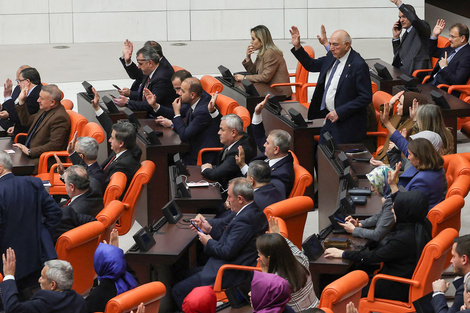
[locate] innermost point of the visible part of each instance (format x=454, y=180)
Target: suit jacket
x=94, y=170
x=227, y=168
x=233, y=242
x=353, y=95
x=70, y=220
x=136, y=73
x=25, y=210
x=458, y=70
x=439, y=301
x=66, y=301
x=269, y=69
x=5, y=122
x=53, y=132
x=89, y=203
x=411, y=53
x=267, y=195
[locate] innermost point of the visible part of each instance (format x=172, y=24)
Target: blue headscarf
x=110, y=263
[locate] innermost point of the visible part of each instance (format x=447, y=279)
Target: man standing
x=461, y=263
x=228, y=240
x=56, y=294
x=410, y=53
x=343, y=89
x=28, y=219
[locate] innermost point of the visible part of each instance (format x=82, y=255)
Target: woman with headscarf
x=200, y=300
x=400, y=250
x=270, y=293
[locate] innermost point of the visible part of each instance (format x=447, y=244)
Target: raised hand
x=9, y=262
x=440, y=25
x=414, y=109
x=95, y=102
x=240, y=158
x=295, y=34
x=151, y=98
x=443, y=61
x=273, y=225
x=8, y=87
x=322, y=37
x=71, y=145
x=127, y=51
x=260, y=106
x=211, y=105
x=60, y=166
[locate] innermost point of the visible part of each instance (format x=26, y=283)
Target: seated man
x=227, y=240
x=231, y=136
x=9, y=96
x=276, y=152
x=49, y=128
x=198, y=129
x=157, y=79
x=56, y=294
x=265, y=192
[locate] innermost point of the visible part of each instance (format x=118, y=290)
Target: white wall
x=83, y=21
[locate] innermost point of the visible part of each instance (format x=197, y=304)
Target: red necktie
x=110, y=161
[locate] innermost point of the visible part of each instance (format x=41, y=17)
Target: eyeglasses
x=20, y=80
x=177, y=89
x=451, y=36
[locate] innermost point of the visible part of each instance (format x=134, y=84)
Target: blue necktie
x=323, y=103
x=34, y=129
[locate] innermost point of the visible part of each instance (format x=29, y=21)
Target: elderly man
x=343, y=89
x=56, y=294
x=229, y=240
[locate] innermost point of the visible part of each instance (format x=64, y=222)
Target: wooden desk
x=22, y=165
x=385, y=85
x=158, y=188
x=360, y=168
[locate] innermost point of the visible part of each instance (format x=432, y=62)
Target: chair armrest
x=462, y=88
x=20, y=135
x=377, y=134
x=415, y=73
x=220, y=273
x=442, y=86
x=52, y=172
x=44, y=158
x=425, y=79
x=286, y=84
x=292, y=74
x=199, y=155
x=371, y=294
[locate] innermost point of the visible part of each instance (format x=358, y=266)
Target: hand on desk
x=375, y=162
x=333, y=253
x=353, y=221
x=348, y=226
x=239, y=77
x=206, y=165
x=22, y=147
x=126, y=92
x=163, y=121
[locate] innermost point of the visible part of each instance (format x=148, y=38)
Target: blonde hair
x=264, y=35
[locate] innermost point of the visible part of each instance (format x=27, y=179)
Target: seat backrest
x=431, y=263
x=442, y=42
x=345, y=289
x=455, y=166
x=77, y=246
x=375, y=88
x=380, y=97
x=294, y=213
x=225, y=104
x=177, y=68
x=149, y=294
x=95, y=131
x=301, y=74
x=302, y=180
x=210, y=84
x=140, y=179
x=108, y=217
x=77, y=123
x=243, y=113
x=115, y=188
x=446, y=214
x=68, y=104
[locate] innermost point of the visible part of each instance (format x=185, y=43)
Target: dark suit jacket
x=227, y=168
x=136, y=73
x=233, y=242
x=90, y=203
x=94, y=170
x=458, y=70
x=352, y=97
x=439, y=301
x=67, y=301
x=412, y=53
x=53, y=132
x=24, y=204
x=268, y=194
x=5, y=122
x=70, y=220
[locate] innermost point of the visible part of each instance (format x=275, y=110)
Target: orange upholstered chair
x=225, y=104
x=294, y=213
x=442, y=42
x=108, y=217
x=68, y=104
x=243, y=113
x=78, y=246
x=221, y=297
x=346, y=289
x=115, y=188
x=446, y=214
x=94, y=130
x=140, y=179
x=375, y=88
x=457, y=167
x=177, y=68
x=430, y=267
x=210, y=84
x=302, y=180
x=149, y=294
x=1, y=277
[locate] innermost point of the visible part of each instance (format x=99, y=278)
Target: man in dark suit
x=199, y=129
x=49, y=128
x=453, y=67
x=231, y=136
x=228, y=240
x=157, y=78
x=461, y=263
x=56, y=294
x=343, y=89
x=410, y=53
x=265, y=192
x=29, y=217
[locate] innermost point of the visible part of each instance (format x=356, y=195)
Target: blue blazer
x=233, y=242
x=439, y=301
x=353, y=95
x=268, y=194
x=458, y=70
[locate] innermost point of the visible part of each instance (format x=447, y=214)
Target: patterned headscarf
x=378, y=178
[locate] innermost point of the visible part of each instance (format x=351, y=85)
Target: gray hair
x=54, y=91
x=281, y=139
x=242, y=187
x=260, y=171
x=233, y=121
x=5, y=160
x=149, y=54
x=61, y=272
x=89, y=147
x=467, y=284
x=78, y=176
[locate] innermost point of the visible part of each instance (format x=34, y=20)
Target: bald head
x=22, y=67
x=340, y=43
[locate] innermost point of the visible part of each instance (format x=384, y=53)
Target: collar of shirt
x=119, y=154
x=230, y=147
x=5, y=174
x=331, y=92
x=243, y=208
x=74, y=198
x=151, y=74
x=409, y=29
x=195, y=104
x=458, y=49
x=274, y=161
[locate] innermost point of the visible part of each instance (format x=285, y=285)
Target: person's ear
x=53, y=285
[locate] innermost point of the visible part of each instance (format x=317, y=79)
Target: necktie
x=110, y=161
x=35, y=127
x=189, y=116
x=147, y=83
x=223, y=154
x=142, y=85
x=323, y=103
x=404, y=37
x=450, y=56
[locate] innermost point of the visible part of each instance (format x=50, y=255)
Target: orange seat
x=302, y=180
x=94, y=130
x=243, y=113
x=77, y=246
x=204, y=150
x=68, y=104
x=379, y=98
x=140, y=179
x=221, y=297
x=177, y=68
x=225, y=104
x=115, y=188
x=294, y=213
x=210, y=84
x=375, y=88
x=457, y=167
x=442, y=42
x=429, y=268
x=108, y=217
x=346, y=289
x=149, y=294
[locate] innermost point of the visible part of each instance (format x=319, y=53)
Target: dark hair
x=428, y=157
x=410, y=7
x=149, y=54
x=181, y=74
x=32, y=74
x=194, y=86
x=78, y=176
x=463, y=30
x=463, y=245
x=282, y=261
x=155, y=45
x=125, y=132
x=260, y=171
